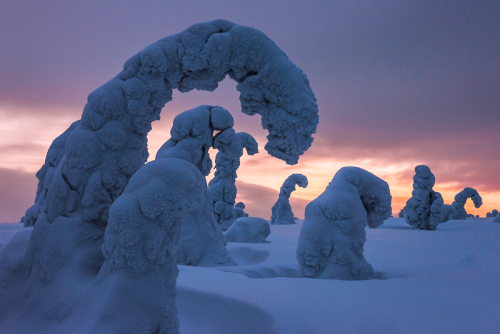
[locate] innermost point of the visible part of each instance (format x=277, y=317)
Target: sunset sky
x=399, y=83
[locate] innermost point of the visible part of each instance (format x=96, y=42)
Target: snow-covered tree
x=282, y=211
x=201, y=242
x=248, y=230
x=222, y=187
x=333, y=233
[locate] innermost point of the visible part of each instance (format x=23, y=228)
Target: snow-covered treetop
x=423, y=179
x=289, y=185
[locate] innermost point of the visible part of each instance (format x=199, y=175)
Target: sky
x=398, y=83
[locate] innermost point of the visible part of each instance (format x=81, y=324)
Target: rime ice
x=282, y=211
x=333, y=233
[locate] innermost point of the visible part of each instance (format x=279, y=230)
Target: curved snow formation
x=238, y=210
x=201, y=241
x=333, y=233
x=282, y=211
x=248, y=230
x=144, y=226
x=418, y=213
x=110, y=144
x=46, y=173
x=222, y=187
x=461, y=199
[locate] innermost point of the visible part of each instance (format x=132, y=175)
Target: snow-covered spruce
x=333, y=233
x=46, y=173
x=140, y=272
x=222, y=187
x=497, y=219
x=238, y=210
x=461, y=199
x=402, y=213
x=110, y=144
x=488, y=215
x=418, y=213
x=201, y=241
x=248, y=230
x=282, y=211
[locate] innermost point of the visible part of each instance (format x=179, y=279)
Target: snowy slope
x=442, y=281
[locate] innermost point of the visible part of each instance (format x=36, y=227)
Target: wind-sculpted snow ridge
x=222, y=187
x=282, y=211
x=248, y=230
x=425, y=209
x=461, y=199
x=238, y=210
x=46, y=173
x=110, y=144
x=333, y=233
x=140, y=272
x=201, y=241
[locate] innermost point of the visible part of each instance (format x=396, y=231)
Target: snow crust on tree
x=222, y=187
x=282, y=211
x=461, y=199
x=238, y=210
x=333, y=233
x=425, y=209
x=110, y=144
x=46, y=173
x=248, y=230
x=144, y=226
x=201, y=241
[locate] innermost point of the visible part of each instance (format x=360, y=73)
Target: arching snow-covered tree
x=333, y=233
x=222, y=187
x=46, y=173
x=282, y=211
x=461, y=199
x=201, y=241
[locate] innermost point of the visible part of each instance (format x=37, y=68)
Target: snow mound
x=248, y=230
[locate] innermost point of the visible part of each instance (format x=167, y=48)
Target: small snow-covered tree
x=238, y=210
x=282, y=211
x=333, y=233
x=222, y=187
x=461, y=199
x=425, y=209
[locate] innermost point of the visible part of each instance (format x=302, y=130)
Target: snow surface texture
x=110, y=144
x=248, y=230
x=201, y=242
x=222, y=187
x=143, y=229
x=425, y=209
x=238, y=210
x=333, y=233
x=282, y=211
x=46, y=173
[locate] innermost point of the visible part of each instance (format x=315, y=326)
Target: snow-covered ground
x=442, y=281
